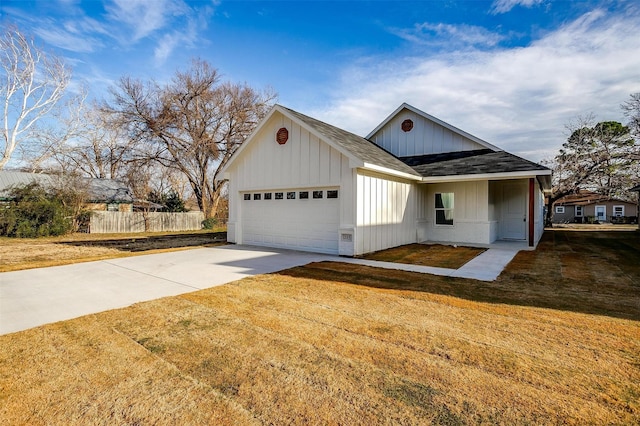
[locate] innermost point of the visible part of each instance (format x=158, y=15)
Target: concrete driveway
x=39, y=296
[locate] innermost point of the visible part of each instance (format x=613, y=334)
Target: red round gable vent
x=407, y=125
x=282, y=136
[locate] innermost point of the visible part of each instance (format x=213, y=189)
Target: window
x=317, y=194
x=112, y=207
x=291, y=195
x=332, y=194
x=444, y=208
x=579, y=211
x=618, y=211
x=247, y=196
x=304, y=195
x=267, y=195
x=257, y=196
x=279, y=195
x=560, y=209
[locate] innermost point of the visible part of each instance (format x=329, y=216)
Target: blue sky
x=513, y=72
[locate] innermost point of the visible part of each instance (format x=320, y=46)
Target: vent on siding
x=282, y=136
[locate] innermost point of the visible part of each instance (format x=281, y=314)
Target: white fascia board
x=486, y=176
x=387, y=171
x=436, y=120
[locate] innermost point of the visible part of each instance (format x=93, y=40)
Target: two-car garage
x=299, y=219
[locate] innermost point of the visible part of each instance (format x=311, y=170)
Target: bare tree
x=193, y=124
x=32, y=84
x=596, y=157
x=98, y=148
x=631, y=110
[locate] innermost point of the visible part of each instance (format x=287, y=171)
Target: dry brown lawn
x=436, y=255
x=27, y=253
x=555, y=340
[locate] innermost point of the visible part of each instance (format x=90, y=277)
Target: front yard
x=555, y=340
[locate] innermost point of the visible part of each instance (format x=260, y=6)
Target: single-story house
x=589, y=207
x=303, y=184
x=102, y=194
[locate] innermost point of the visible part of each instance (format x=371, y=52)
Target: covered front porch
x=482, y=212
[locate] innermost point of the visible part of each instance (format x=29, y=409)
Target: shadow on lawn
x=153, y=242
x=588, y=272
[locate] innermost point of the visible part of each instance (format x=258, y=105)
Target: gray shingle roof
x=360, y=147
x=99, y=190
x=481, y=161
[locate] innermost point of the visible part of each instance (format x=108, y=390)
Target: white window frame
x=579, y=211
x=621, y=212
x=605, y=212
x=560, y=209
x=447, y=210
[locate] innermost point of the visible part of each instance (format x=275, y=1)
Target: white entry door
x=601, y=213
x=513, y=223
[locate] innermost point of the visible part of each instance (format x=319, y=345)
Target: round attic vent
x=407, y=125
x=282, y=136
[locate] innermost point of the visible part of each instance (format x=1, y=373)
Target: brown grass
x=436, y=255
x=334, y=343
x=27, y=253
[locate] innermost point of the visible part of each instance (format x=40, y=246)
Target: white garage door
x=298, y=220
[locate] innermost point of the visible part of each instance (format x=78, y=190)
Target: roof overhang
x=277, y=108
x=387, y=171
x=543, y=176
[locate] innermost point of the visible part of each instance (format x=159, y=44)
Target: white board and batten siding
x=471, y=215
x=426, y=137
x=305, y=163
x=386, y=212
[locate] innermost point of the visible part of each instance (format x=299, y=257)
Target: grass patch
x=332, y=343
x=27, y=253
x=436, y=255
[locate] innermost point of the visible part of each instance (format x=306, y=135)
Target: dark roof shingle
x=481, y=161
x=360, y=147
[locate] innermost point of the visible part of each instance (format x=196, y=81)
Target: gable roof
x=357, y=146
x=490, y=162
x=98, y=190
x=358, y=149
x=435, y=120
x=585, y=198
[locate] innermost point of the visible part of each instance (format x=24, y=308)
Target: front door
x=601, y=213
x=513, y=223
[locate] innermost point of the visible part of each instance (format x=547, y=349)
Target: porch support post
x=532, y=184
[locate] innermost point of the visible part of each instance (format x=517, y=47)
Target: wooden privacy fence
x=122, y=222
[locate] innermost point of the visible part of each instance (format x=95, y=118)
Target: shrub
x=210, y=223
x=33, y=212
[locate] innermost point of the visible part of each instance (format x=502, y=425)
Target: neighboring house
x=303, y=184
x=102, y=194
x=637, y=189
x=589, y=207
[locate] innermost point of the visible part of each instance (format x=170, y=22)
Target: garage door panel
x=308, y=224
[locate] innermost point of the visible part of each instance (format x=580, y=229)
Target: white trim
x=559, y=209
x=486, y=176
x=387, y=171
x=596, y=212
x=435, y=120
x=614, y=211
x=581, y=214
x=282, y=110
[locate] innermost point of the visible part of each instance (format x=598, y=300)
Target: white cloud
x=504, y=6
x=518, y=98
x=143, y=17
x=449, y=36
